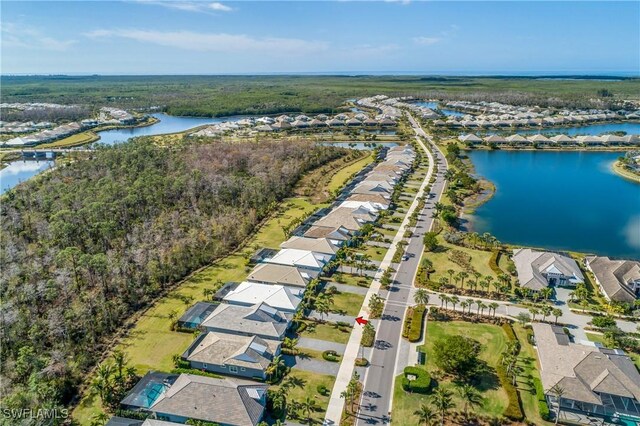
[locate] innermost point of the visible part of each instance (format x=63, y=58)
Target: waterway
x=560, y=201
x=435, y=105
x=20, y=171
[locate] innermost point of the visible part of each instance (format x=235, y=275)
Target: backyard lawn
x=350, y=279
x=376, y=253
x=493, y=341
x=326, y=331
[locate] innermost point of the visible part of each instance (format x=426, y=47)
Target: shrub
x=331, y=356
x=322, y=389
x=454, y=237
x=493, y=261
x=302, y=326
x=361, y=362
x=196, y=372
x=457, y=355
x=508, y=330
x=422, y=382
x=289, y=351
x=603, y=321
x=407, y=323
x=181, y=363
x=430, y=241
x=461, y=259
x=542, y=401
x=368, y=335
x=514, y=409
x=415, y=326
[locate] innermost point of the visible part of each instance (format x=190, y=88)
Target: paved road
x=378, y=388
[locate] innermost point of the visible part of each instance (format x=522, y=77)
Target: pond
x=434, y=106
x=167, y=124
x=560, y=201
x=21, y=170
x=359, y=145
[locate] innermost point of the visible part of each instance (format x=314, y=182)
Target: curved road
x=375, y=405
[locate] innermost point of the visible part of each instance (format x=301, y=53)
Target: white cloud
x=189, y=6
x=213, y=42
x=26, y=37
x=426, y=41
x=403, y=2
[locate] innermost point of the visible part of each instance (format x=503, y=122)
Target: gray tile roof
x=272, y=273
x=531, y=265
x=230, y=349
x=614, y=276
x=260, y=320
x=225, y=401
x=583, y=371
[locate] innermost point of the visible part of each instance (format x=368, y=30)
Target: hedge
x=421, y=384
x=195, y=372
x=331, y=356
x=407, y=323
x=542, y=401
x=514, y=409
x=493, y=262
x=508, y=330
x=415, y=328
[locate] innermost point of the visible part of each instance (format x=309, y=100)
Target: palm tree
x=558, y=392
x=322, y=307
x=546, y=293
x=477, y=275
x=483, y=306
x=464, y=304
x=450, y=272
x=546, y=310
x=102, y=382
x=425, y=415
x=454, y=301
x=442, y=298
x=493, y=306
x=471, y=398
x=534, y=311
x=479, y=303
x=463, y=275
x=421, y=297
x=309, y=405
x=442, y=400
x=119, y=363
x=489, y=280
x=556, y=312
x=275, y=368
x=484, y=284
x=443, y=281
x=99, y=419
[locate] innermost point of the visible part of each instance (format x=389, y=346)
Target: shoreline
x=619, y=170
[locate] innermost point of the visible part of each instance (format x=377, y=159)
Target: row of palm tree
x=445, y=299
x=441, y=402
x=350, y=393
x=545, y=311
x=113, y=379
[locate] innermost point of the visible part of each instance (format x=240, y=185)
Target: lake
x=434, y=106
x=559, y=201
x=591, y=129
x=20, y=171
x=167, y=124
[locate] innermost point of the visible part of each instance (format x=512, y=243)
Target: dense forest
x=86, y=245
x=230, y=95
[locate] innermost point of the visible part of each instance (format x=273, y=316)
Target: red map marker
x=361, y=321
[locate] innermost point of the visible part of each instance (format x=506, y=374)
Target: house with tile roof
x=259, y=320
x=283, y=298
x=619, y=280
x=537, y=269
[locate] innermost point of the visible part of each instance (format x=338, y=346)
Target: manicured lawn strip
x=404, y=404
x=493, y=341
x=340, y=178
x=73, y=140
x=347, y=303
x=529, y=374
x=311, y=383
x=311, y=354
x=326, y=331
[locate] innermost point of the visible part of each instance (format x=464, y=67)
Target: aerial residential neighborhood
x=336, y=213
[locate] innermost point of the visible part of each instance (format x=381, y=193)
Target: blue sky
x=204, y=37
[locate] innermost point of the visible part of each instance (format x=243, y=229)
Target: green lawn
x=530, y=373
x=442, y=263
x=343, y=175
x=326, y=331
x=311, y=383
x=493, y=341
x=73, y=140
x=376, y=253
x=351, y=279
x=347, y=303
